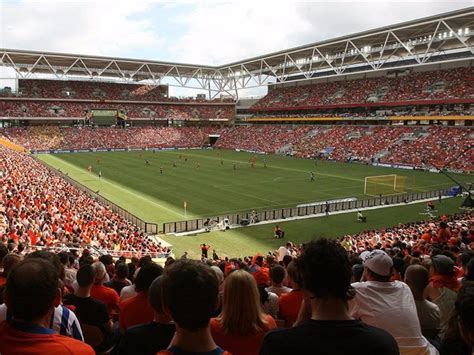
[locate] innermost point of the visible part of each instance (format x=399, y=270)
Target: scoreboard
x=104, y=117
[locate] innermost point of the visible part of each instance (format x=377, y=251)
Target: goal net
x=384, y=185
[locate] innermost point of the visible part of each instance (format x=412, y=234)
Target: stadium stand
x=420, y=147
x=95, y=90
x=41, y=209
x=411, y=146
x=437, y=86
x=53, y=137
x=149, y=111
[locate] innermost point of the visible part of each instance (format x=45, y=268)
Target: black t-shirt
x=88, y=310
x=330, y=338
x=146, y=339
x=116, y=285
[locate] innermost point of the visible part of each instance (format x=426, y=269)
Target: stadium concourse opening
x=342, y=183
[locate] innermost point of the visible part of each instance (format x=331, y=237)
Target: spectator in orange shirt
x=102, y=293
x=31, y=296
x=290, y=302
x=137, y=310
x=241, y=326
x=443, y=233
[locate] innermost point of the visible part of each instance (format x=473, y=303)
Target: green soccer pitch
x=216, y=182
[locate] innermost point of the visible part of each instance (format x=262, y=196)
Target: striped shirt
x=63, y=321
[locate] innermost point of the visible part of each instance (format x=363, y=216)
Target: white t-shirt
x=391, y=306
x=282, y=251
x=278, y=290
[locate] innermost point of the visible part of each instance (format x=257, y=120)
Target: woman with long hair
x=241, y=325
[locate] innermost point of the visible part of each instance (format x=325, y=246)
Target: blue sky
x=201, y=32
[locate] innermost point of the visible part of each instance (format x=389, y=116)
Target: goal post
x=384, y=185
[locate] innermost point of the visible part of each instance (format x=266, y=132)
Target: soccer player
x=161, y=170
x=147, y=162
x=174, y=165
x=100, y=174
x=235, y=167
x=311, y=175
x=222, y=162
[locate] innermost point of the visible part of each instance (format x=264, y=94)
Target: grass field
x=206, y=179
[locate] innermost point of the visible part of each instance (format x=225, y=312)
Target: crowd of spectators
x=41, y=209
x=438, y=148
x=432, y=85
x=54, y=137
x=427, y=147
x=407, y=289
x=261, y=138
x=96, y=90
x=421, y=147
x=81, y=110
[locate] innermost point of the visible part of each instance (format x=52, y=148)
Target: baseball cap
x=379, y=262
x=443, y=264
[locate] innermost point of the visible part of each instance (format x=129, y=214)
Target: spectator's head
x=325, y=270
x=3, y=253
x=100, y=272
x=277, y=275
x=155, y=295
x=259, y=260
x=442, y=265
x=287, y=259
x=469, y=273
x=219, y=274
x=53, y=258
x=190, y=294
x=121, y=271
x=85, y=276
x=9, y=261
x=293, y=275
x=32, y=290
x=241, y=310
x=464, y=310
x=417, y=278
x=146, y=276
x=377, y=266
x=357, y=272
x=64, y=258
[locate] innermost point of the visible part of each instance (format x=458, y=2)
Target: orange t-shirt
x=38, y=340
x=107, y=295
x=135, y=310
x=289, y=305
x=3, y=280
x=241, y=344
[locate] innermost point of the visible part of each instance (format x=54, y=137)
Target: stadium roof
x=434, y=39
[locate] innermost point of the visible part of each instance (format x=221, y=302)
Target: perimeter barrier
x=253, y=217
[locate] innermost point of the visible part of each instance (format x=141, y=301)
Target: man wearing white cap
x=388, y=305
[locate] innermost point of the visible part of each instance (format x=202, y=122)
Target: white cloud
x=219, y=33
x=101, y=28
